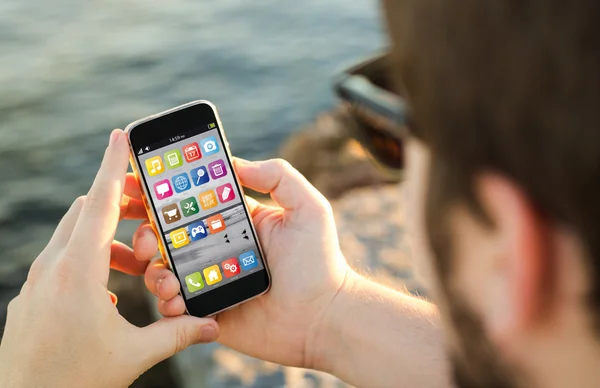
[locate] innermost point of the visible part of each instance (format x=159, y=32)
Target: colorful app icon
x=199, y=176
x=197, y=231
x=217, y=169
x=181, y=182
x=163, y=189
x=171, y=213
x=215, y=224
x=225, y=193
x=191, y=152
x=173, y=159
x=194, y=282
x=248, y=260
x=179, y=238
x=189, y=206
x=155, y=166
x=212, y=275
x=209, y=146
x=231, y=267
x=208, y=200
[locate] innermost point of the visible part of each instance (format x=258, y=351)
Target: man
x=504, y=171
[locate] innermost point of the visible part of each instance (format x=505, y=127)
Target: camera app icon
x=209, y=146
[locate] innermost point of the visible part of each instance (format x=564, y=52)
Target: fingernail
x=113, y=298
x=207, y=334
x=114, y=136
x=159, y=284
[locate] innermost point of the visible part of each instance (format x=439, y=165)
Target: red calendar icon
x=192, y=152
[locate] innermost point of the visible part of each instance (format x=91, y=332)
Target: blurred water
x=72, y=67
x=71, y=70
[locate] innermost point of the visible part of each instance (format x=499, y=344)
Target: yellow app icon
x=208, y=200
x=212, y=275
x=180, y=238
x=155, y=166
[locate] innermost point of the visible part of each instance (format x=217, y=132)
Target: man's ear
x=518, y=276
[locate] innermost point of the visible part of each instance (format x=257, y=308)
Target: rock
x=326, y=154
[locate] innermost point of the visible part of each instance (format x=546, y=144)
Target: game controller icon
x=198, y=231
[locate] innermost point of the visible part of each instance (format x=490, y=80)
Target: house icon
x=213, y=276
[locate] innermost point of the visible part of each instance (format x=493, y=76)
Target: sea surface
x=72, y=70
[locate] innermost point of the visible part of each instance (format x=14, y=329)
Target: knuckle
x=94, y=199
x=79, y=201
x=13, y=304
x=34, y=271
x=62, y=272
x=181, y=339
x=282, y=165
x=321, y=209
x=325, y=205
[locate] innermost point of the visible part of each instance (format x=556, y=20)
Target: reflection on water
x=72, y=70
x=73, y=67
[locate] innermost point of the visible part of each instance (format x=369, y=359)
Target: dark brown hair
x=511, y=86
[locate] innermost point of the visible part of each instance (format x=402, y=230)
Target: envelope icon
x=248, y=260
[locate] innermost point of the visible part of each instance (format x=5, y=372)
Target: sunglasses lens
x=376, y=136
x=385, y=148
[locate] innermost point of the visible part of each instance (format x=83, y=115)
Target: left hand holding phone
x=63, y=329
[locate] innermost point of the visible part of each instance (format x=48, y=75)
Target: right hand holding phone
x=300, y=242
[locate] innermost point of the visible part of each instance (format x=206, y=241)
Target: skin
x=318, y=314
x=63, y=329
x=525, y=280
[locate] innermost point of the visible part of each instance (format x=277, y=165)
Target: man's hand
x=301, y=247
x=319, y=314
x=63, y=329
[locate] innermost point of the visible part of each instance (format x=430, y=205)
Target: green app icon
x=173, y=159
x=194, y=282
x=189, y=206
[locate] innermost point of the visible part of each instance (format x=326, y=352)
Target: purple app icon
x=217, y=169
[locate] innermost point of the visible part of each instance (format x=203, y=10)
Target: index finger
x=97, y=223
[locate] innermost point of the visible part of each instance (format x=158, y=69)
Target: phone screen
x=200, y=209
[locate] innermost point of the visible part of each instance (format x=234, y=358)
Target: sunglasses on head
x=380, y=114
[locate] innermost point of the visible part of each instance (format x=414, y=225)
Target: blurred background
x=72, y=70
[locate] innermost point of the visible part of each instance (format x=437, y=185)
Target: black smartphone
x=197, y=207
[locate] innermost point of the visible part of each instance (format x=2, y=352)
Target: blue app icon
x=209, y=146
x=181, y=183
x=197, y=231
x=248, y=260
x=199, y=176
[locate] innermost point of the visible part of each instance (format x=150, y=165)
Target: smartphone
x=197, y=207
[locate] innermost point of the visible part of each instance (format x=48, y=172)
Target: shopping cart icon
x=171, y=213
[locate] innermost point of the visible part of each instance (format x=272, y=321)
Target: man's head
x=505, y=101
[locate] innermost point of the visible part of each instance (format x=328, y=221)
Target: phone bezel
x=160, y=127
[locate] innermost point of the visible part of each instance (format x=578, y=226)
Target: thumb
x=287, y=186
x=169, y=336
